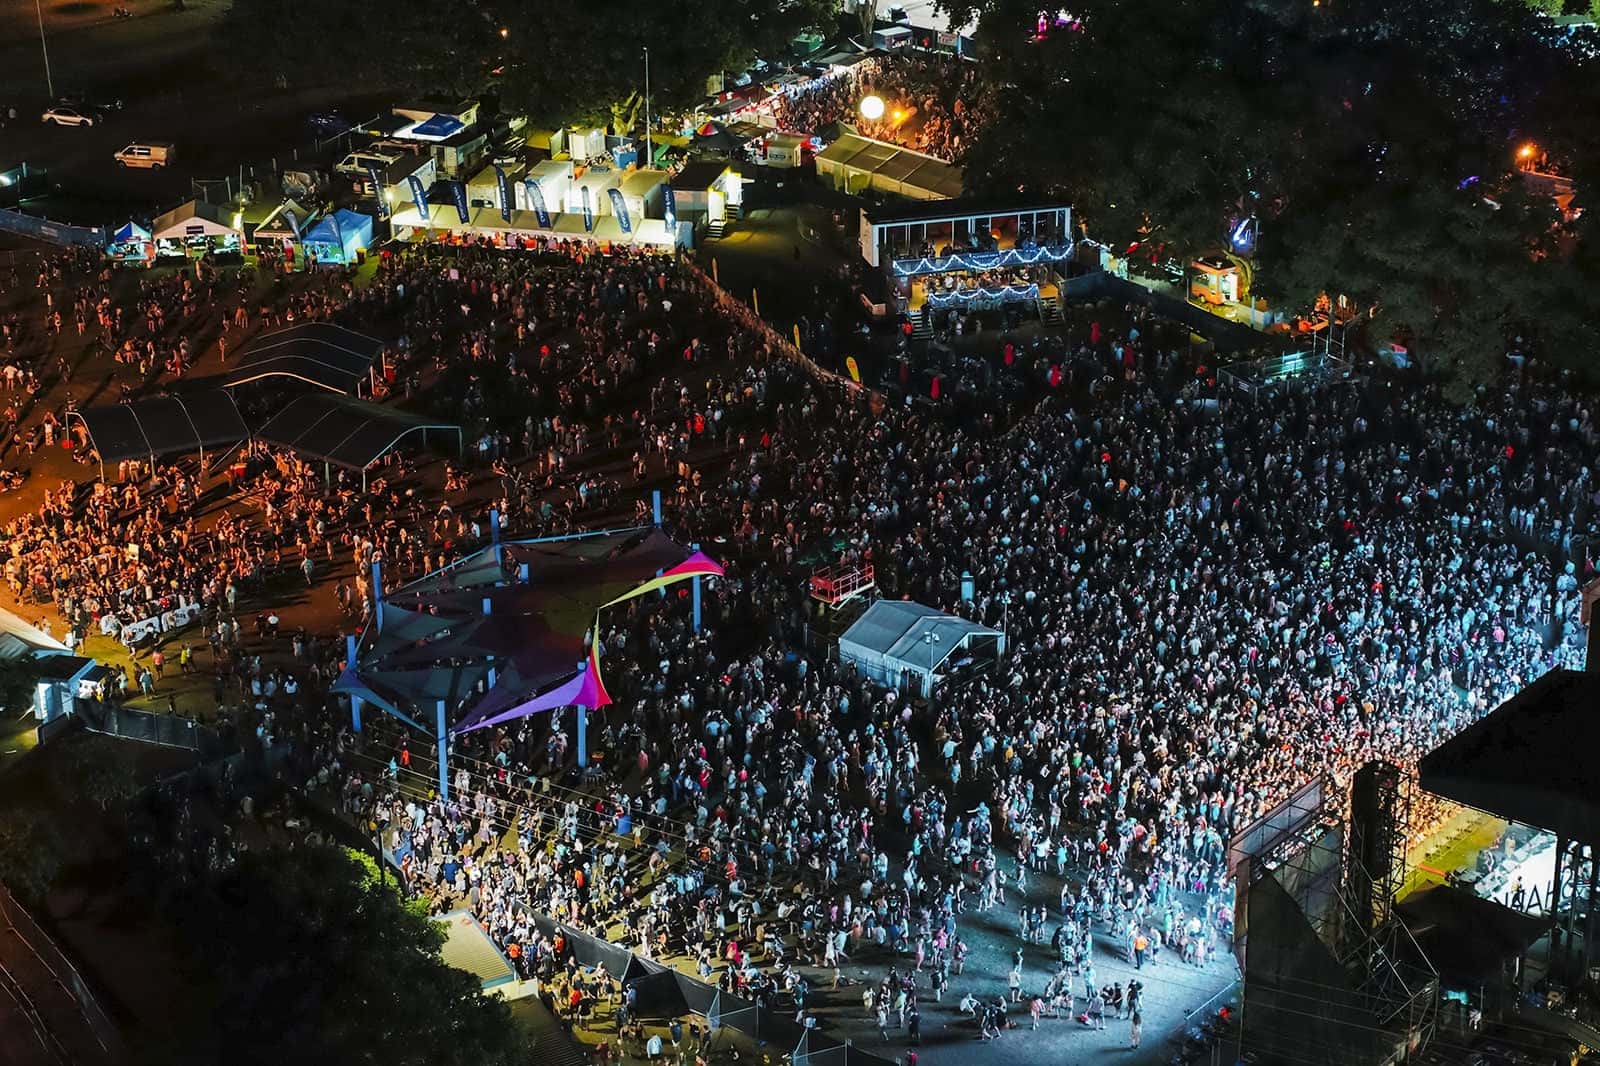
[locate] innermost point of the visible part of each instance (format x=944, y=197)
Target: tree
x=560, y=62
x=1375, y=168
x=406, y=44
x=571, y=62
x=17, y=680
x=99, y=771
x=303, y=956
x=30, y=854
x=867, y=17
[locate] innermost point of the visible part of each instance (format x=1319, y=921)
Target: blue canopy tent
x=338, y=236
x=131, y=245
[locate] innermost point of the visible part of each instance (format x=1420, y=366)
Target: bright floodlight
x=872, y=108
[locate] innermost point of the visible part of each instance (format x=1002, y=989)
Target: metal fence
x=21, y=925
x=765, y=1024
x=43, y=229
x=164, y=729
x=1224, y=334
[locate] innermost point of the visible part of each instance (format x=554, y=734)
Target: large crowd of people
x=932, y=103
x=1207, y=600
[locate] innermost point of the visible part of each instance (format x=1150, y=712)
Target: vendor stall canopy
x=197, y=218
x=318, y=353
x=856, y=164
x=130, y=233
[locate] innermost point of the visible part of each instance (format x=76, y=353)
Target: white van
x=397, y=148
x=151, y=155
x=356, y=164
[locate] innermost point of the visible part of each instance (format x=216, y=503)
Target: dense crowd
x=1206, y=603
x=932, y=103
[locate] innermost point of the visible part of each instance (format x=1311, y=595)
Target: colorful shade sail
x=586, y=688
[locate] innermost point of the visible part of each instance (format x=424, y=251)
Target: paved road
x=163, y=65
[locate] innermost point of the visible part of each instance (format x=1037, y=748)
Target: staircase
x=921, y=329
x=731, y=214
x=1050, y=311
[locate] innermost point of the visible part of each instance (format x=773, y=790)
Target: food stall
x=131, y=246
x=198, y=229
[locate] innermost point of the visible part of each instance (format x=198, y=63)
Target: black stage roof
x=164, y=425
x=319, y=353
x=352, y=434
x=1530, y=760
x=1465, y=936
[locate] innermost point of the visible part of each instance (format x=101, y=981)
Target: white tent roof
x=643, y=182
x=551, y=168
x=563, y=226
x=287, y=217
x=194, y=219
x=892, y=168
x=597, y=182
x=910, y=633
x=18, y=638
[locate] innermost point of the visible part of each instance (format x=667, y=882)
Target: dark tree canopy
x=559, y=62
x=307, y=958
x=1376, y=141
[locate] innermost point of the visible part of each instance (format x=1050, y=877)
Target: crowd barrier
x=1225, y=335
x=777, y=1029
x=42, y=229
x=747, y=317
x=165, y=729
x=22, y=926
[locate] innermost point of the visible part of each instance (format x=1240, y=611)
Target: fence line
x=60, y=968
x=163, y=729
x=43, y=229
x=741, y=311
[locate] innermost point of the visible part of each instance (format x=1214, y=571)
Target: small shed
x=554, y=178
x=785, y=149
x=906, y=645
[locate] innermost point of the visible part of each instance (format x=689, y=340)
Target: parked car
x=147, y=155
x=356, y=164
x=327, y=123
x=85, y=102
x=64, y=115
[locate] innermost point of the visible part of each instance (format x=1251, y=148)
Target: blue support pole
x=694, y=588
x=488, y=605
x=583, y=738
x=583, y=727
x=377, y=594
x=494, y=536
x=655, y=505
x=444, y=744
x=355, y=701
x=523, y=573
